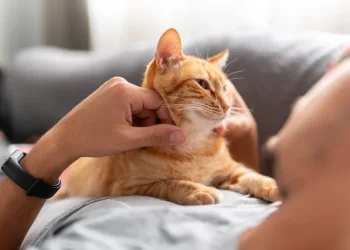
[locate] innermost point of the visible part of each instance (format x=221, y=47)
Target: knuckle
x=119, y=85
x=118, y=79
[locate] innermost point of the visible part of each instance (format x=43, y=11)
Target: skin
x=312, y=167
x=90, y=130
x=242, y=135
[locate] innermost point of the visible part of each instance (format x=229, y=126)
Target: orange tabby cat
x=196, y=92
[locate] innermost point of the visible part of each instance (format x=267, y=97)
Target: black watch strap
x=31, y=185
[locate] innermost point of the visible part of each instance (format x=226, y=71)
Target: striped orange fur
x=197, y=94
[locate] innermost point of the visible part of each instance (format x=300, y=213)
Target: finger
x=237, y=127
x=145, y=113
x=220, y=130
x=237, y=100
x=164, y=115
x=142, y=98
x=158, y=135
x=147, y=118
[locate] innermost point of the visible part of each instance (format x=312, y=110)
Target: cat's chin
x=200, y=122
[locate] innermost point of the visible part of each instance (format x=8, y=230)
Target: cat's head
x=196, y=91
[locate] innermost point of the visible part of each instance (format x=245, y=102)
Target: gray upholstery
x=43, y=84
x=57, y=217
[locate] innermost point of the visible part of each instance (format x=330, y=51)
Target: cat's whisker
x=234, y=114
x=198, y=105
x=237, y=108
x=237, y=78
x=199, y=55
x=196, y=50
x=235, y=72
x=233, y=109
x=208, y=53
x=209, y=111
x=193, y=103
x=203, y=106
x=183, y=109
x=177, y=97
x=226, y=66
x=182, y=105
x=240, y=110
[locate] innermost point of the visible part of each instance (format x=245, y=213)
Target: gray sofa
x=43, y=84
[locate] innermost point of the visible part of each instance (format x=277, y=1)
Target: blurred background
x=116, y=25
x=39, y=86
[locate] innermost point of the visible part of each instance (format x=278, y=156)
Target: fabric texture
x=149, y=223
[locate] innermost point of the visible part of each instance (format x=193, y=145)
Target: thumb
x=157, y=135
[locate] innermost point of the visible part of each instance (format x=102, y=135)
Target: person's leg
x=312, y=167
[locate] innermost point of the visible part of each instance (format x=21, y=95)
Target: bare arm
x=100, y=125
x=17, y=210
x=245, y=149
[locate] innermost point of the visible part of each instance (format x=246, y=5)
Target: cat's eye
x=203, y=83
x=224, y=88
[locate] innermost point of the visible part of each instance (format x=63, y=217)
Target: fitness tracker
x=32, y=186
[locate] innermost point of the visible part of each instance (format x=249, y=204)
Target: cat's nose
x=225, y=107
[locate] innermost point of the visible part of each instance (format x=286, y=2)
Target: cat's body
x=195, y=92
x=136, y=172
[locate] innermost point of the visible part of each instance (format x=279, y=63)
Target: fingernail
x=176, y=137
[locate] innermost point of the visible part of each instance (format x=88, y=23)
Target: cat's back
x=198, y=161
x=94, y=176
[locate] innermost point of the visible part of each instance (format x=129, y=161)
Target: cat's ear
x=220, y=59
x=169, y=50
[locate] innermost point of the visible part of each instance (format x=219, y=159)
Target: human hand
x=240, y=121
x=240, y=130
x=117, y=117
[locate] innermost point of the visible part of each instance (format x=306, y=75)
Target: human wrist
x=48, y=158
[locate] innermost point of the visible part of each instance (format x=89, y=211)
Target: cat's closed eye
x=203, y=83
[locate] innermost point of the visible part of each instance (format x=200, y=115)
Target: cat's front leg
x=181, y=192
x=247, y=181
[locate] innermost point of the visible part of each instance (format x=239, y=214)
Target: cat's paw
x=205, y=196
x=270, y=194
x=268, y=190
x=259, y=186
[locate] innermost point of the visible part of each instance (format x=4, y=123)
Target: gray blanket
x=149, y=223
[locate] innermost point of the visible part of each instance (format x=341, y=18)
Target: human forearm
x=245, y=149
x=242, y=133
x=46, y=161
